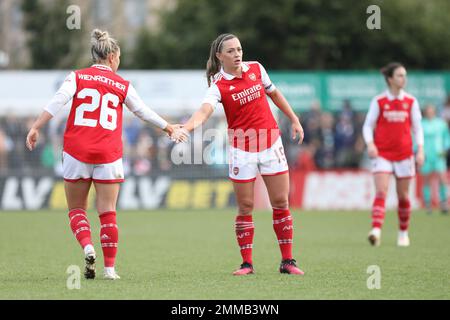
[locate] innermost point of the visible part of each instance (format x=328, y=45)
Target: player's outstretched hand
x=180, y=134
x=32, y=138
x=297, y=129
x=177, y=133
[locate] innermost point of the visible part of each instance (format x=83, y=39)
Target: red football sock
x=284, y=229
x=109, y=236
x=404, y=213
x=378, y=211
x=245, y=230
x=80, y=226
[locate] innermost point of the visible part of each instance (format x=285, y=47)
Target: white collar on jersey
x=400, y=96
x=228, y=76
x=101, y=66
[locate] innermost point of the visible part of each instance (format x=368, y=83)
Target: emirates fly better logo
x=248, y=95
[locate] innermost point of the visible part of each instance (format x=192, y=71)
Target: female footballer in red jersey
x=255, y=142
x=387, y=132
x=92, y=150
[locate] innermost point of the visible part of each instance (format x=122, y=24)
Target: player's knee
x=245, y=206
x=77, y=205
x=105, y=207
x=280, y=202
x=381, y=195
x=403, y=195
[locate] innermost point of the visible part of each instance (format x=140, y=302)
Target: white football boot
x=375, y=237
x=403, y=239
x=110, y=273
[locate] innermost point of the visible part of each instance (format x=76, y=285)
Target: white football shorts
x=401, y=169
x=244, y=165
x=75, y=170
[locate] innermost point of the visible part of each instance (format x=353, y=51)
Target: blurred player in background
x=255, y=142
x=387, y=132
x=92, y=151
x=437, y=142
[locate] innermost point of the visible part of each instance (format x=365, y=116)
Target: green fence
x=332, y=88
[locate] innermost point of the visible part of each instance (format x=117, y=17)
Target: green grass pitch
x=191, y=254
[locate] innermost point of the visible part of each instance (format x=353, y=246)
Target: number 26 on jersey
x=108, y=115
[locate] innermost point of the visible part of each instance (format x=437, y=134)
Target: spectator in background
x=5, y=145
x=445, y=114
x=312, y=121
x=31, y=159
x=345, y=137
x=304, y=156
x=347, y=110
x=348, y=128
x=325, y=143
x=144, y=154
x=132, y=129
x=15, y=128
x=162, y=157
x=437, y=142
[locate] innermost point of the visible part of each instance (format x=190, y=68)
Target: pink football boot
x=290, y=267
x=246, y=268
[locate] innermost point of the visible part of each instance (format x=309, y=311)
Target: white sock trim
x=110, y=270
x=89, y=248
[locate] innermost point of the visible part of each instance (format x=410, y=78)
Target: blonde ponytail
x=102, y=45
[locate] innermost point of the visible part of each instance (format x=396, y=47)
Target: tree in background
x=306, y=34
x=51, y=44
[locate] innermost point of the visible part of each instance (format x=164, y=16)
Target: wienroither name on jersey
x=103, y=79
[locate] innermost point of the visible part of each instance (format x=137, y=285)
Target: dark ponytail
x=213, y=64
x=389, y=69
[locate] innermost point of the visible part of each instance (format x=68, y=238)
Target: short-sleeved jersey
x=94, y=127
x=392, y=135
x=251, y=125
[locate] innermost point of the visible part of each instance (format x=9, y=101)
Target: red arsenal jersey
x=392, y=134
x=94, y=127
x=251, y=125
